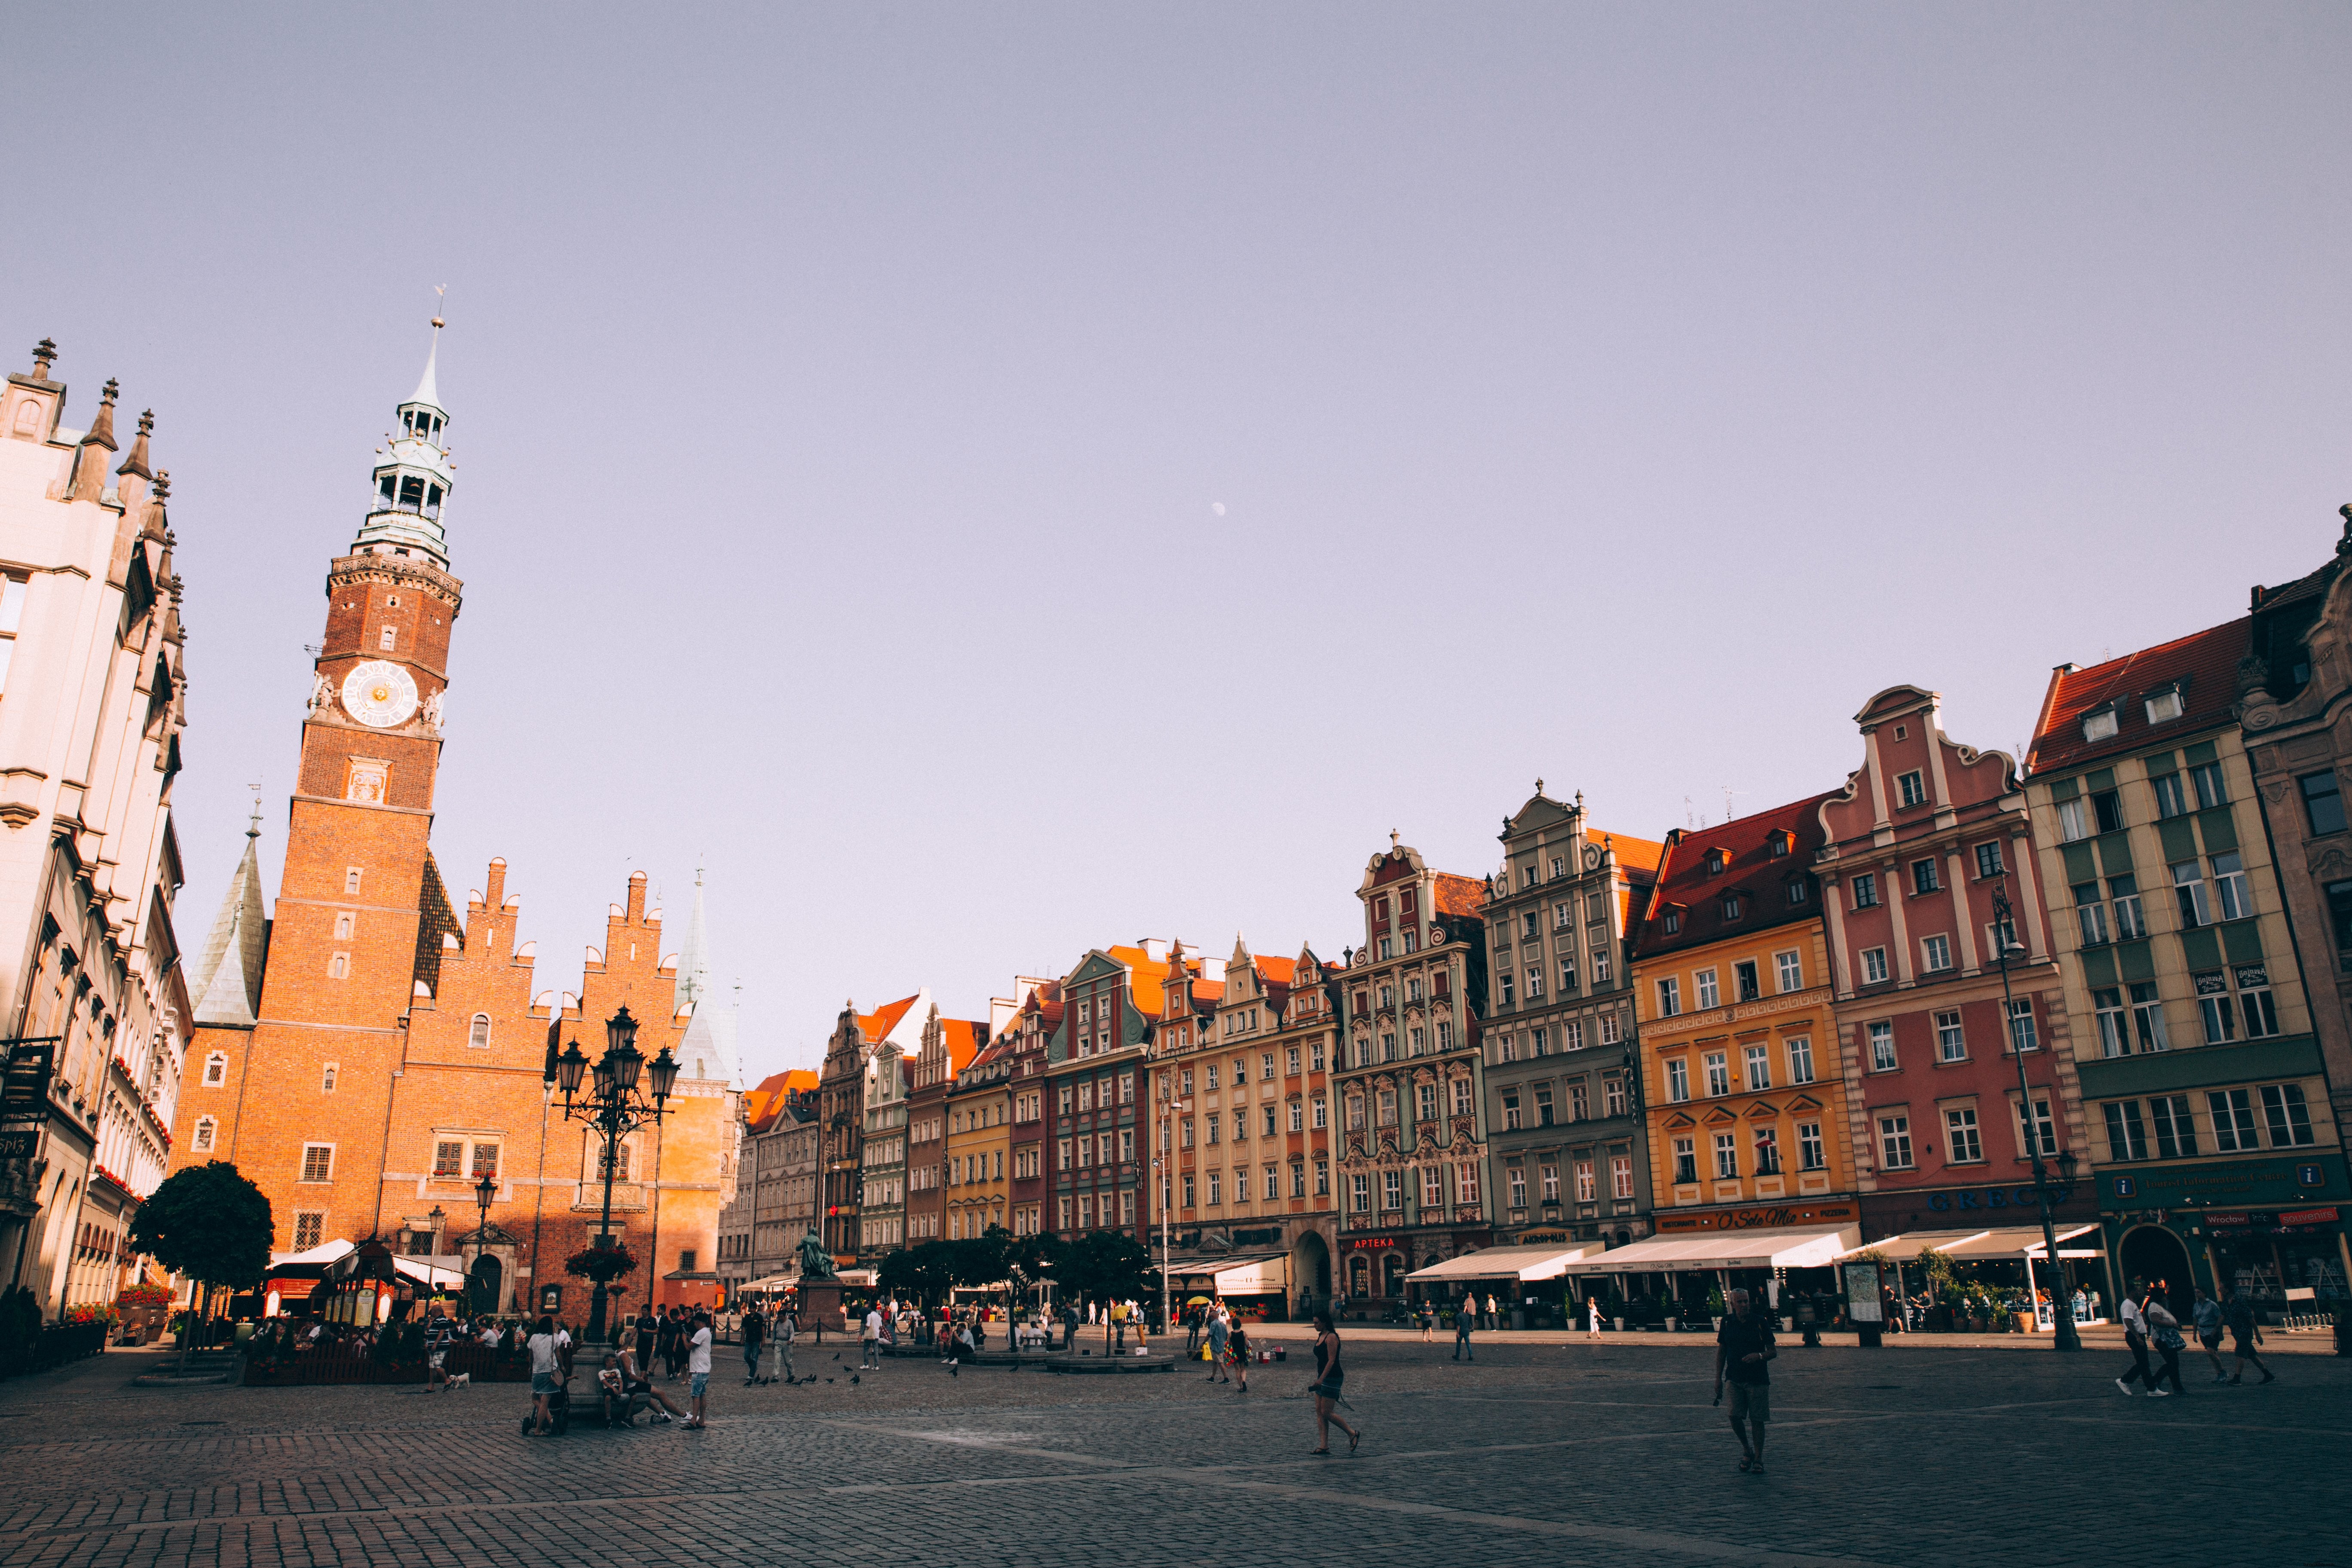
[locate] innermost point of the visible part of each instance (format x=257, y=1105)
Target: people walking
x=1592, y=1317
x=1220, y=1335
x=2245, y=1334
x=1743, y=1356
x=2206, y=1317
x=697, y=1367
x=1192, y=1332
x=1428, y=1316
x=2164, y=1332
x=1465, y=1316
x=1239, y=1344
x=785, y=1330
x=1329, y=1375
x=1493, y=1312
x=2135, y=1337
x=870, y=1339
x=755, y=1338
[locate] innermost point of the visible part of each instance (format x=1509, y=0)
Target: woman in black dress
x=1329, y=1377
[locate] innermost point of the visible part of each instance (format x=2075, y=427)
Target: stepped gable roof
x=1748, y=864
x=2207, y=661
x=1046, y=1001
x=1460, y=895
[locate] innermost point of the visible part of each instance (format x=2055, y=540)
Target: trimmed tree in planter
x=210, y=1224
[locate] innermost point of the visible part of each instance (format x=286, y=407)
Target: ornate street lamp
x=484, y=1191
x=2061, y=1305
x=616, y=1108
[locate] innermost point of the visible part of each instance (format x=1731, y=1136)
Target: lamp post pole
x=484, y=1191
x=614, y=1109
x=2062, y=1306
x=1164, y=1171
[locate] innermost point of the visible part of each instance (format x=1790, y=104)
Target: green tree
x=210, y=1224
x=1103, y=1264
x=922, y=1273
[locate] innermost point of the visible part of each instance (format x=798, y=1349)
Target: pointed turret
x=226, y=980
x=90, y=467
x=137, y=462
x=713, y=1024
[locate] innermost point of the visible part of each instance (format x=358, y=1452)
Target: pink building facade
x=1925, y=834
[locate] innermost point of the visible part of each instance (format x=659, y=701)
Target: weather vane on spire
x=439, y=289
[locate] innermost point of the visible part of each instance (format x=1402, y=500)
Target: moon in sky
x=1218, y=507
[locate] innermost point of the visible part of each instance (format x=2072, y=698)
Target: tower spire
x=227, y=981
x=413, y=474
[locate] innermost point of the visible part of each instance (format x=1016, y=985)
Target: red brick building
x=367, y=1056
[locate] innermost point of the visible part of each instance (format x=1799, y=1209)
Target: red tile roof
x=1460, y=895
x=1279, y=971
x=2207, y=660
x=1683, y=881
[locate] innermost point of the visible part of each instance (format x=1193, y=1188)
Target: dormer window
x=2100, y=723
x=1715, y=859
x=1672, y=921
x=2166, y=704
x=1779, y=842
x=1731, y=907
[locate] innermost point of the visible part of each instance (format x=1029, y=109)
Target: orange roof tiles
x=1281, y=971
x=2207, y=661
x=1147, y=978
x=1460, y=895
x=878, y=1024
x=1635, y=854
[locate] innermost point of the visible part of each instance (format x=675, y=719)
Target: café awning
x=1548, y=1261
x=1241, y=1274
x=1814, y=1247
x=2003, y=1241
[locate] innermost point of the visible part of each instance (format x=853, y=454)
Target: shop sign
x=1667, y=1222
x=1364, y=1242
x=1528, y=1237
x=1967, y=1198
x=2293, y=1222
x=18, y=1145
x=2239, y=1185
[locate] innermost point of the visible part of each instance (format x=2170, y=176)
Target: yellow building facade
x=1743, y=1084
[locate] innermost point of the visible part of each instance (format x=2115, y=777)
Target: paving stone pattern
x=1536, y=1454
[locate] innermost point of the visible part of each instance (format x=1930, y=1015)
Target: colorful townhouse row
x=1808, y=1019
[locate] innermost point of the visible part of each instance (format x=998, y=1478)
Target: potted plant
x=1714, y=1307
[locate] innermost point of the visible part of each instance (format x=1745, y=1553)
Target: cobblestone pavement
x=1534, y=1454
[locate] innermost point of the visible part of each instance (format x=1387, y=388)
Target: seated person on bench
x=636, y=1391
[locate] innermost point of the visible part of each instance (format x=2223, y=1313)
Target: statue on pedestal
x=816, y=1262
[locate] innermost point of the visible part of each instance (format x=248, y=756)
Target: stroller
x=558, y=1404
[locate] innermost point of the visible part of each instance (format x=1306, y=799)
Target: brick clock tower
x=360, y=909
x=369, y=1055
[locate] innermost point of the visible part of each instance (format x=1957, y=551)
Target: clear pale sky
x=842, y=399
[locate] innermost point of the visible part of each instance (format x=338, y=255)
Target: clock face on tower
x=379, y=694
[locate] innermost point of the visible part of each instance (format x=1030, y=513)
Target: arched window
x=481, y=1033
x=216, y=1069
x=327, y=1079
x=206, y=1129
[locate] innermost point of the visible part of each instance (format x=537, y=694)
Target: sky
x=991, y=482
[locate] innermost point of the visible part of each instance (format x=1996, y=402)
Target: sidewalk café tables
x=2019, y=1243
